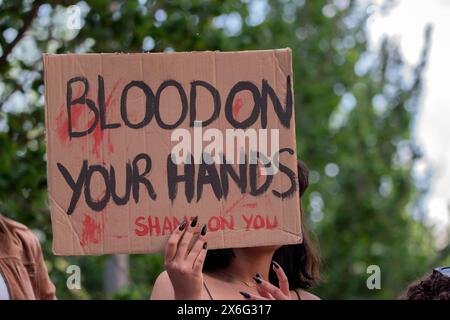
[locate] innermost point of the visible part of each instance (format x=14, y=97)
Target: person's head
x=435, y=286
x=300, y=262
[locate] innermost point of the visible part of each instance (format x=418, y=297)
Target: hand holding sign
x=184, y=265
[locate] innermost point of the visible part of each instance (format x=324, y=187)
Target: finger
x=198, y=246
x=282, y=278
x=264, y=293
x=174, y=239
x=186, y=240
x=270, y=288
x=250, y=296
x=198, y=264
x=261, y=290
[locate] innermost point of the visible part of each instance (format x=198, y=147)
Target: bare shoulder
x=304, y=295
x=162, y=289
x=308, y=295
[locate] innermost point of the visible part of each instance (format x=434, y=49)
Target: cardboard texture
x=109, y=121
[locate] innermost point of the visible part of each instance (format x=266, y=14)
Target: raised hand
x=267, y=290
x=184, y=265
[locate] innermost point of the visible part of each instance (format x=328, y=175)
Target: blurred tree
x=355, y=110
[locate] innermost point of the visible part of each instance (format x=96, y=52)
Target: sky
x=406, y=22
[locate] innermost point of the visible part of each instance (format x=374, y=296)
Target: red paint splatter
x=236, y=203
x=97, y=134
x=120, y=236
x=62, y=121
x=237, y=105
x=250, y=205
x=92, y=231
x=76, y=112
x=61, y=124
x=110, y=145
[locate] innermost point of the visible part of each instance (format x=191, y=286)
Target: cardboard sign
x=138, y=142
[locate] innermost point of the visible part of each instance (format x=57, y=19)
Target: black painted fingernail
x=275, y=264
x=245, y=294
x=203, y=231
x=205, y=245
x=194, y=222
x=258, y=275
x=258, y=280
x=182, y=225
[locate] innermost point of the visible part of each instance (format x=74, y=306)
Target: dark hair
x=435, y=286
x=300, y=262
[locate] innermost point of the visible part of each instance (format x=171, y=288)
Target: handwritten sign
x=138, y=142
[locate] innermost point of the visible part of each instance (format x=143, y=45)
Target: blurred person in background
x=435, y=286
x=271, y=272
x=23, y=274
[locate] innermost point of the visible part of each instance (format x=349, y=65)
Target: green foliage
x=354, y=115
